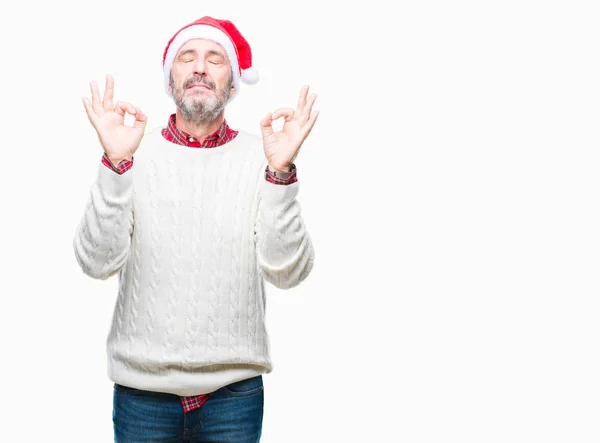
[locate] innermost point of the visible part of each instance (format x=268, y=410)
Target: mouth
x=198, y=86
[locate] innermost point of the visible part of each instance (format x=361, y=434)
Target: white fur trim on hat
x=209, y=33
x=250, y=76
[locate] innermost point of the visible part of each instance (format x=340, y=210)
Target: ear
x=171, y=82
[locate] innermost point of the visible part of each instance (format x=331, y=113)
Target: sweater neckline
x=187, y=150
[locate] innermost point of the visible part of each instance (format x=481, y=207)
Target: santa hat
x=219, y=31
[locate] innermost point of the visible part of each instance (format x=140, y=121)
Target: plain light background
x=450, y=187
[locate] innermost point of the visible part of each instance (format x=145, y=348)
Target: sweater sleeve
x=103, y=236
x=283, y=246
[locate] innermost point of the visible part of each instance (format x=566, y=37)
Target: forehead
x=201, y=45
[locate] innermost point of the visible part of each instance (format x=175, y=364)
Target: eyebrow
x=217, y=53
x=185, y=52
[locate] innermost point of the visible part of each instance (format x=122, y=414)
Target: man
x=193, y=226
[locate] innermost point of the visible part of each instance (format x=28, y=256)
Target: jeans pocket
x=242, y=388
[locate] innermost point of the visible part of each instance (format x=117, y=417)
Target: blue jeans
x=231, y=414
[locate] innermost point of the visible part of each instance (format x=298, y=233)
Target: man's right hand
x=118, y=141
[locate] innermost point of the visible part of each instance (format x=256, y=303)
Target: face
x=201, y=80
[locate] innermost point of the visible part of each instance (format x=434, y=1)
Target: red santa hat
x=227, y=35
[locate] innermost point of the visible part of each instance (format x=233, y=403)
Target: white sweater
x=193, y=234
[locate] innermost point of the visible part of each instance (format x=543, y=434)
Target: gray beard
x=201, y=111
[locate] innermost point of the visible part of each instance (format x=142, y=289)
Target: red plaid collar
x=175, y=135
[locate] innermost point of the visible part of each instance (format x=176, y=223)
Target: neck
x=199, y=130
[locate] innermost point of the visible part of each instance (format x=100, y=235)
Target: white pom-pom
x=250, y=76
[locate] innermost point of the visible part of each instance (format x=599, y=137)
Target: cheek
x=175, y=76
x=220, y=75
x=180, y=73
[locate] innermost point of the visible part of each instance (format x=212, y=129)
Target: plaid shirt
x=221, y=136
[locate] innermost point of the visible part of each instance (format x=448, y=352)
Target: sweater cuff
x=275, y=194
x=112, y=184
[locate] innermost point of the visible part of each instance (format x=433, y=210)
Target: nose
x=200, y=67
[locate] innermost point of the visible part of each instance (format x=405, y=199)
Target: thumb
x=266, y=125
x=140, y=119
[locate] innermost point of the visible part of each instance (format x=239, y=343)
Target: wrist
x=281, y=169
x=116, y=161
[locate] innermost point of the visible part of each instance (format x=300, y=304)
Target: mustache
x=199, y=79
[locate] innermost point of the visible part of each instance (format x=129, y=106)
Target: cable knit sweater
x=192, y=247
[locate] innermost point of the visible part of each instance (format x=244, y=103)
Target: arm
x=103, y=236
x=283, y=246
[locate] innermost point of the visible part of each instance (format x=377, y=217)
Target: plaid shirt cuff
x=281, y=178
x=124, y=165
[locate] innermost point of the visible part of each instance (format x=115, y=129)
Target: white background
x=450, y=187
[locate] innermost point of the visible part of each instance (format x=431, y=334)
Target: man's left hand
x=281, y=148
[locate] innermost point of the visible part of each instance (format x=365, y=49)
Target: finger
x=89, y=111
x=107, y=101
x=288, y=113
x=310, y=102
x=122, y=107
x=95, y=97
x=266, y=125
x=310, y=123
x=302, y=97
x=306, y=111
x=140, y=119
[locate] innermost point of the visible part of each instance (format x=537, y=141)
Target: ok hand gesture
x=282, y=147
x=118, y=141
